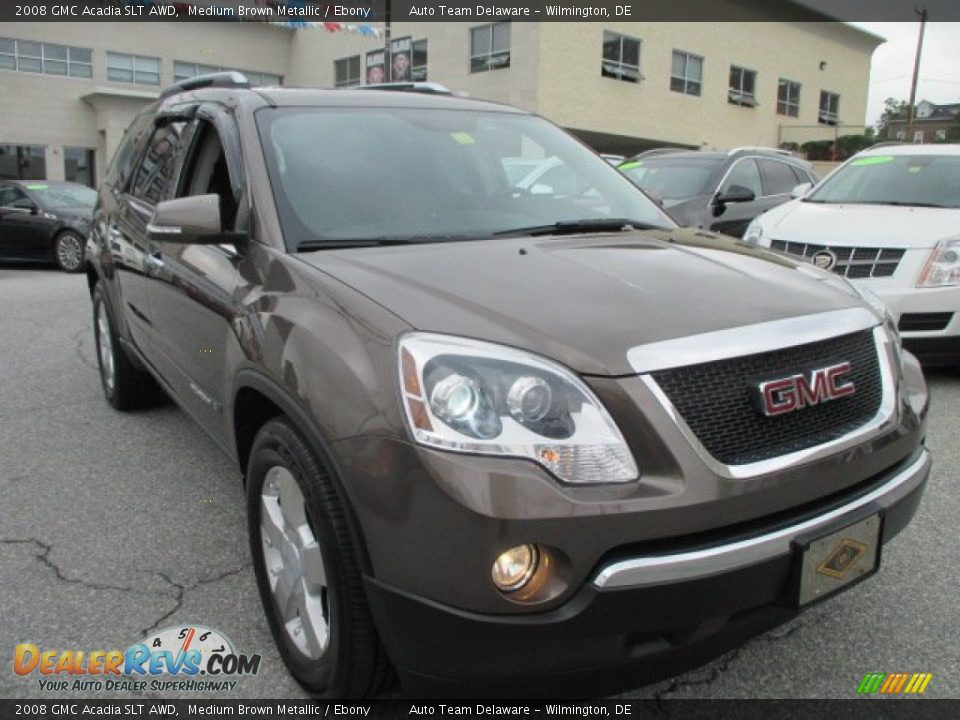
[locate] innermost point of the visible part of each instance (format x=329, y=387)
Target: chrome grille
x=852, y=262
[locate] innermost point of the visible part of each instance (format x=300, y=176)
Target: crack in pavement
x=79, y=336
x=182, y=590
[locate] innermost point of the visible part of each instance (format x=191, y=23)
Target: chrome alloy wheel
x=105, y=347
x=294, y=563
x=69, y=252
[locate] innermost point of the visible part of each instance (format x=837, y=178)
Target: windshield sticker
x=38, y=187
x=876, y=160
x=630, y=165
x=464, y=138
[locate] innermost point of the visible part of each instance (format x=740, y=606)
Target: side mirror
x=801, y=190
x=26, y=206
x=193, y=220
x=735, y=194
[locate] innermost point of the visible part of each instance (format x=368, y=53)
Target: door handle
x=155, y=261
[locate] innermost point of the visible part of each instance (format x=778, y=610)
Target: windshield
x=379, y=173
x=64, y=196
x=916, y=180
x=672, y=180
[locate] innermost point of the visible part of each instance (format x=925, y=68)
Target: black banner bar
x=861, y=709
x=375, y=11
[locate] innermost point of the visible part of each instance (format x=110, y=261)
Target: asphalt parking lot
x=115, y=525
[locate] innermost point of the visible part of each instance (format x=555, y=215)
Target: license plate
x=831, y=562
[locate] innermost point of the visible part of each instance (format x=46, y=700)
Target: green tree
x=893, y=110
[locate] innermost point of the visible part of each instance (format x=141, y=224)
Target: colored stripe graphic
x=894, y=683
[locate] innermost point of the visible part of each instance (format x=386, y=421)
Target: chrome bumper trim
x=663, y=569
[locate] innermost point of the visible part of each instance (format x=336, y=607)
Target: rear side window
x=156, y=171
x=744, y=174
x=802, y=175
x=778, y=177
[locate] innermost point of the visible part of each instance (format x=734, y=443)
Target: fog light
x=514, y=568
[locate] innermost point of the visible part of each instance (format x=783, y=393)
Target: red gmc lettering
x=798, y=391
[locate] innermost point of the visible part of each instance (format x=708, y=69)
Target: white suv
x=889, y=220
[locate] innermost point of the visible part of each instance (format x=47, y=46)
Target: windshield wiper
x=570, y=227
x=900, y=203
x=342, y=243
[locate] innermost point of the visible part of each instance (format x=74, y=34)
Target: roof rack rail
x=754, y=148
x=428, y=88
x=219, y=79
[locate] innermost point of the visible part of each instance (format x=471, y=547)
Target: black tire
x=131, y=388
x=353, y=663
x=68, y=249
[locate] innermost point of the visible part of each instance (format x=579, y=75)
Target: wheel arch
x=257, y=399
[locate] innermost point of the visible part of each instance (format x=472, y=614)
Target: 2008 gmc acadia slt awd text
x=500, y=439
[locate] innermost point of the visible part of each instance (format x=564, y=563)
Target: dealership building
x=68, y=90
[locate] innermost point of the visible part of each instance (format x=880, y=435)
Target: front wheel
x=68, y=248
x=306, y=567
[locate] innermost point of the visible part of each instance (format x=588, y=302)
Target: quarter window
x=134, y=69
x=156, y=170
x=829, y=107
x=621, y=57
x=346, y=71
x=686, y=75
x=490, y=47
x=743, y=86
x=23, y=162
x=40, y=57
x=778, y=177
x=788, y=98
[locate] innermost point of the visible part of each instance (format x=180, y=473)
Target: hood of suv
x=586, y=300
x=860, y=225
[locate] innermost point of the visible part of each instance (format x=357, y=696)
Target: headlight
x=754, y=233
x=943, y=267
x=476, y=397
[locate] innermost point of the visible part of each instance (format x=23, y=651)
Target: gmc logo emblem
x=778, y=397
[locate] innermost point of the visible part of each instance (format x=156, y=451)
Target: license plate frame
x=833, y=561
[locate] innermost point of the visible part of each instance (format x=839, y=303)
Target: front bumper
x=639, y=619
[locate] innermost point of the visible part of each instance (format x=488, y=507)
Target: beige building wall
x=554, y=71
x=574, y=94
x=60, y=112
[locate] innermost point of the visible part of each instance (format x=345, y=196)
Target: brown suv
x=501, y=439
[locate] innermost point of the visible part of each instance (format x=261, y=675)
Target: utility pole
x=916, y=74
x=387, y=65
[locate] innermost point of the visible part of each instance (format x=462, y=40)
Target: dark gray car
x=718, y=191
x=503, y=442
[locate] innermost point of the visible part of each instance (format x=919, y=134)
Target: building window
x=918, y=136
x=346, y=71
x=941, y=135
x=23, y=162
x=788, y=98
x=621, y=57
x=39, y=57
x=489, y=47
x=186, y=70
x=133, y=69
x=686, y=75
x=743, y=87
x=418, y=70
x=79, y=165
x=829, y=107
x=901, y=135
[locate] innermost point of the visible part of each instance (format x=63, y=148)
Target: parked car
x=514, y=442
x=719, y=191
x=45, y=221
x=888, y=220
